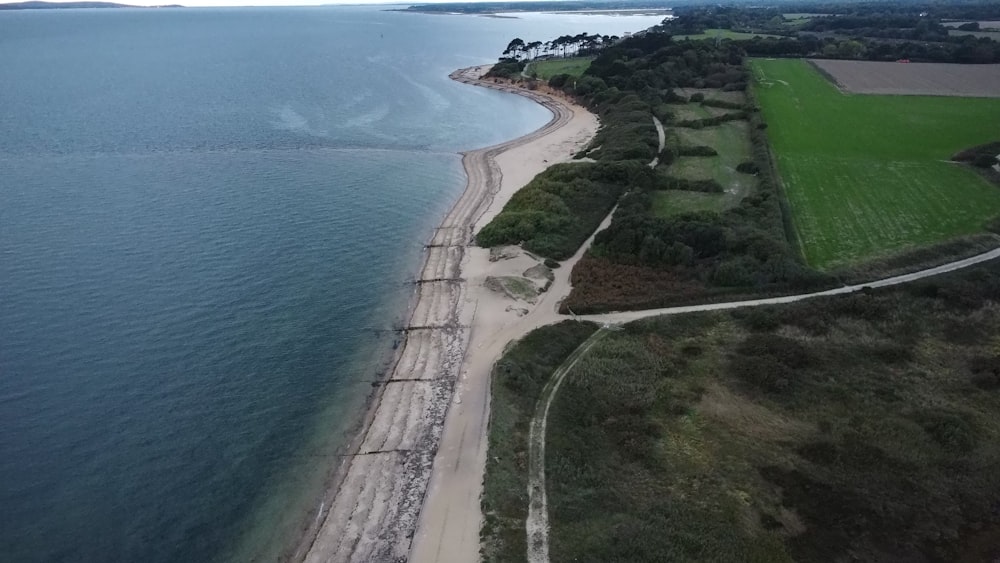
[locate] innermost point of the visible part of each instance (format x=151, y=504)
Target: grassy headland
x=573, y=66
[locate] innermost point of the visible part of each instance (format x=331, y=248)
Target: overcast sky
x=198, y=3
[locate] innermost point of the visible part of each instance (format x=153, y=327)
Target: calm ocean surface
x=203, y=214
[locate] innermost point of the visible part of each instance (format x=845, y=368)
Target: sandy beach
x=409, y=489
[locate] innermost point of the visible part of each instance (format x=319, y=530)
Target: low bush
x=699, y=150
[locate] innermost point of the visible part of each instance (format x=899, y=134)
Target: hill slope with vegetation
x=650, y=257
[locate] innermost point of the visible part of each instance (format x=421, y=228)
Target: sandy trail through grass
x=537, y=524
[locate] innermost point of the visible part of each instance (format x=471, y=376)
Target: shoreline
x=375, y=496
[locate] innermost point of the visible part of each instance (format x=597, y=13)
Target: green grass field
x=547, y=69
x=868, y=176
x=721, y=34
x=731, y=140
x=667, y=203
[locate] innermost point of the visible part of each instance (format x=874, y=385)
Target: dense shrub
x=950, y=429
x=506, y=68
x=560, y=80
x=559, y=209
x=699, y=150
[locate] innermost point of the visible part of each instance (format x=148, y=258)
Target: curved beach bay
x=208, y=221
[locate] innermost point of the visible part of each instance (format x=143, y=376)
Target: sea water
x=208, y=222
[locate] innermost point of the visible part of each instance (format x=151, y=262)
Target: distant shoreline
x=509, y=13
x=38, y=5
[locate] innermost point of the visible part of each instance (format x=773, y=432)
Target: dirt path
x=538, y=509
x=627, y=316
x=450, y=519
x=537, y=523
x=662, y=137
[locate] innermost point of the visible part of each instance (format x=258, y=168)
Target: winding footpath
x=410, y=487
x=451, y=518
x=661, y=136
x=537, y=523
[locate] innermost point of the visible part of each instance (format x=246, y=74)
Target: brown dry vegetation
x=930, y=79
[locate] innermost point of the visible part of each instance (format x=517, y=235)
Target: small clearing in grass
x=667, y=203
x=692, y=111
x=734, y=96
x=731, y=140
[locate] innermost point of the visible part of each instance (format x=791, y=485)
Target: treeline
x=692, y=20
x=876, y=32
x=539, y=6
x=966, y=49
x=951, y=10
x=564, y=45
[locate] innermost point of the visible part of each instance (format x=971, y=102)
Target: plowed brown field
x=929, y=79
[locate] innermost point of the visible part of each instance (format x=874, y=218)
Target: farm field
x=983, y=24
x=721, y=34
x=547, y=69
x=931, y=79
x=994, y=35
x=868, y=176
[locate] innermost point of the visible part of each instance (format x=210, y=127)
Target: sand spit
x=371, y=511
